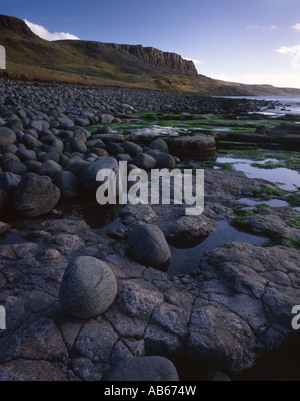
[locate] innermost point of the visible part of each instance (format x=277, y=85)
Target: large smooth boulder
x=35, y=196
x=88, y=177
x=88, y=288
x=148, y=369
x=132, y=148
x=144, y=161
x=164, y=160
x=7, y=136
x=148, y=246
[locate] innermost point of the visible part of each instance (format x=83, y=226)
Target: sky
x=255, y=42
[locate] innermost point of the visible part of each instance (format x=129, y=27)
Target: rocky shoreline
x=222, y=317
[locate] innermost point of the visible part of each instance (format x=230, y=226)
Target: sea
x=291, y=103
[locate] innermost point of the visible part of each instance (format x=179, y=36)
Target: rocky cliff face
x=16, y=26
x=157, y=58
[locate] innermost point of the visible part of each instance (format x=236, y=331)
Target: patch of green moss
x=239, y=221
x=293, y=243
x=295, y=223
x=268, y=193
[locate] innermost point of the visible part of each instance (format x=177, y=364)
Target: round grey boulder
x=160, y=144
x=151, y=368
x=148, y=246
x=165, y=160
x=144, y=161
x=7, y=136
x=88, y=288
x=35, y=196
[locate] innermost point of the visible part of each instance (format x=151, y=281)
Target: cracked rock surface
x=235, y=306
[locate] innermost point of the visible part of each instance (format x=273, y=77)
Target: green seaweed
x=268, y=193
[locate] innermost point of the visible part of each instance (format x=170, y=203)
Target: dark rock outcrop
x=157, y=58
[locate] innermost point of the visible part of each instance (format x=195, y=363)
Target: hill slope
x=94, y=63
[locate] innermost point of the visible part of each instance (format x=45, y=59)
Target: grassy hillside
x=94, y=63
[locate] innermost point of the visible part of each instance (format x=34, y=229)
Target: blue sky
x=254, y=41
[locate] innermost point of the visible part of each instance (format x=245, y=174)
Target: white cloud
x=278, y=80
x=199, y=62
x=262, y=28
x=45, y=34
x=296, y=27
x=294, y=52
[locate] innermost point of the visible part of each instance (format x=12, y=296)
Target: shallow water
x=187, y=260
x=95, y=215
x=286, y=178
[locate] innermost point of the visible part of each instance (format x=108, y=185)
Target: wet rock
x=153, y=368
x=148, y=246
x=88, y=288
x=35, y=196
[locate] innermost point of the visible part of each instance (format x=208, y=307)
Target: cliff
x=157, y=58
